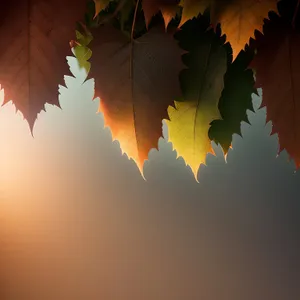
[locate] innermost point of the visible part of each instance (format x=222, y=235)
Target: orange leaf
x=100, y=5
x=192, y=8
x=240, y=18
x=277, y=67
x=168, y=9
x=136, y=82
x=33, y=48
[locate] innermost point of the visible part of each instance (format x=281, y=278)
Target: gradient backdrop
x=78, y=222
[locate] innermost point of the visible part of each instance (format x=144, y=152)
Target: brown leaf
x=34, y=44
x=136, y=82
x=277, y=67
x=168, y=9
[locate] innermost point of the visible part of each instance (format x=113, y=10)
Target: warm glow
x=123, y=131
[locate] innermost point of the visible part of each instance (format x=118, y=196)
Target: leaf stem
x=131, y=66
x=134, y=19
x=131, y=37
x=295, y=14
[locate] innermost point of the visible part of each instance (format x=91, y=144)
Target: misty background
x=78, y=222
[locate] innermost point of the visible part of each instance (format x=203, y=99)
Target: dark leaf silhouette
x=236, y=99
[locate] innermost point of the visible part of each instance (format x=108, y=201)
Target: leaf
x=136, y=81
x=168, y=9
x=239, y=19
x=236, y=99
x=132, y=14
x=33, y=48
x=277, y=72
x=81, y=50
x=125, y=12
x=90, y=17
x=202, y=84
x=101, y=5
x=192, y=8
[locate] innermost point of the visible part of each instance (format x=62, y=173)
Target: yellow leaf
x=202, y=84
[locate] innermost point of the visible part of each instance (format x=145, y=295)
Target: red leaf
x=277, y=66
x=34, y=44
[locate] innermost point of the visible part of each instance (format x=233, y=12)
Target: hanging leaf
x=136, y=80
x=277, y=68
x=81, y=50
x=125, y=13
x=202, y=84
x=236, y=99
x=34, y=44
x=192, y=8
x=101, y=5
x=239, y=19
x=168, y=9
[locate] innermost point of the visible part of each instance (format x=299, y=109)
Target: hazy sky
x=78, y=222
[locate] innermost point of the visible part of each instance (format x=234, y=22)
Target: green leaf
x=81, y=49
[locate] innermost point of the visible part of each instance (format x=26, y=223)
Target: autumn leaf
x=240, y=18
x=236, y=99
x=202, y=84
x=168, y=9
x=278, y=74
x=136, y=80
x=100, y=5
x=33, y=48
x=192, y=8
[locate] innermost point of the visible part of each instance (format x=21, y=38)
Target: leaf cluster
x=193, y=63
